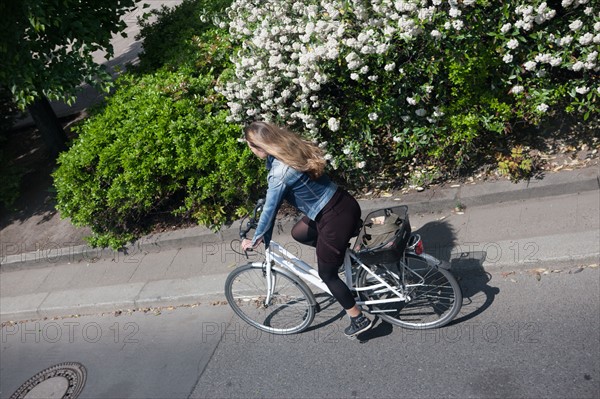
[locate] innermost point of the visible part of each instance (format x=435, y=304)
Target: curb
x=114, y=298
x=203, y=289
x=433, y=200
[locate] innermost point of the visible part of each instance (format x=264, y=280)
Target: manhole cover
x=64, y=380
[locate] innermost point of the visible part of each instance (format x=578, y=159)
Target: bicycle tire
x=292, y=306
x=431, y=305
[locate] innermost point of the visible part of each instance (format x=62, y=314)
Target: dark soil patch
x=32, y=222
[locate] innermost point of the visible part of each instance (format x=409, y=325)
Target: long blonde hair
x=288, y=147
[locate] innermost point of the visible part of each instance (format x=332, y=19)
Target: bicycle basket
x=384, y=236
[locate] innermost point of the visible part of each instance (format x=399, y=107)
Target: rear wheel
x=290, y=310
x=434, y=296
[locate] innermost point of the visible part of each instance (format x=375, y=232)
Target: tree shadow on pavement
x=26, y=150
x=28, y=154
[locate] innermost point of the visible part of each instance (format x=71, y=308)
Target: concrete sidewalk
x=550, y=223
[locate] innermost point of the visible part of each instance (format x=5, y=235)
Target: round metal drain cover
x=64, y=380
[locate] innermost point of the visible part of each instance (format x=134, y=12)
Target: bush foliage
x=161, y=144
x=394, y=91
x=182, y=35
x=169, y=150
x=421, y=82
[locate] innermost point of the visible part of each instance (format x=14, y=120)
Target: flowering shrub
x=552, y=54
x=377, y=82
x=391, y=90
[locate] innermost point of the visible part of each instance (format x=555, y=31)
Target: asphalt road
x=519, y=335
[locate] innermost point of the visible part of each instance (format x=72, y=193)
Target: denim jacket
x=308, y=196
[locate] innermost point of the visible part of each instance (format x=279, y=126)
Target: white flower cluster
x=288, y=47
x=575, y=3
x=574, y=49
x=294, y=54
x=455, y=13
x=528, y=15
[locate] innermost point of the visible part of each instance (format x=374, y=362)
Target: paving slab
x=90, y=300
x=22, y=307
x=182, y=291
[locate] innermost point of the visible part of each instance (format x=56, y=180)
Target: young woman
x=296, y=174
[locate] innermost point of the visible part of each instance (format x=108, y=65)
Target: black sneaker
x=358, y=325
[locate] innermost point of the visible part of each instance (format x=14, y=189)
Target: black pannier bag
x=384, y=236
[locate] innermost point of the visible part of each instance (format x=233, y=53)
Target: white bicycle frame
x=277, y=255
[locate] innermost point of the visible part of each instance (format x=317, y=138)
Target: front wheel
x=434, y=297
x=290, y=309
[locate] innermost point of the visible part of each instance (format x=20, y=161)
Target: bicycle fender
x=445, y=265
x=436, y=262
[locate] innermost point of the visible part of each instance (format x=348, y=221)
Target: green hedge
x=159, y=145
x=182, y=35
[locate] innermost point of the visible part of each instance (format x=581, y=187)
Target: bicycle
x=387, y=269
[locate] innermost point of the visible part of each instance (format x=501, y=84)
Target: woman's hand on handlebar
x=247, y=244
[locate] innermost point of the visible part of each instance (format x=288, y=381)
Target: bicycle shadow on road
x=440, y=241
x=478, y=295
x=329, y=312
x=473, y=280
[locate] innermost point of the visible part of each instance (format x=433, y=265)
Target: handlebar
x=253, y=221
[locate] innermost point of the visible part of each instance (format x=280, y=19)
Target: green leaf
x=56, y=33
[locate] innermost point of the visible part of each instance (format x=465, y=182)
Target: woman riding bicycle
x=296, y=174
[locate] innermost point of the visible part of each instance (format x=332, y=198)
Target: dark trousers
x=330, y=234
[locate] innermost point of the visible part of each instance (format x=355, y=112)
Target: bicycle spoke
x=433, y=295
x=289, y=309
